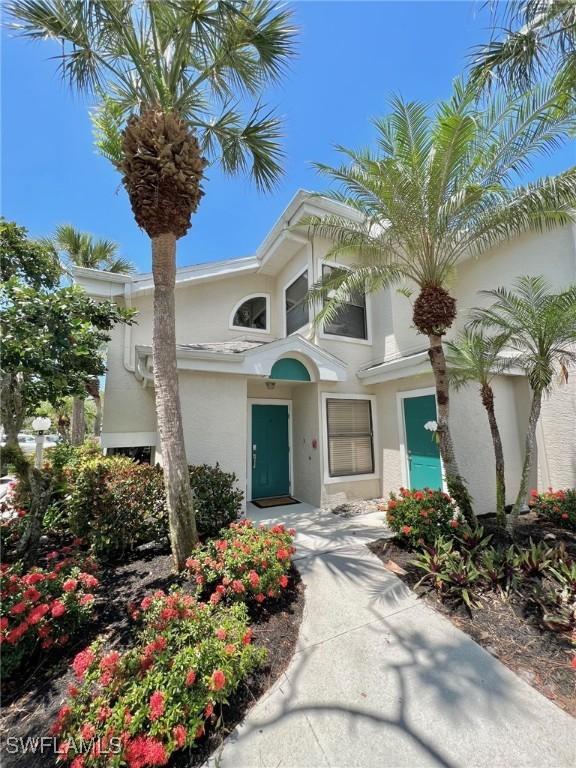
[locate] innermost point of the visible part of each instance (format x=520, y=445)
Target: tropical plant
x=540, y=327
x=538, y=38
x=80, y=249
x=170, y=75
x=439, y=188
x=557, y=506
x=475, y=357
x=421, y=516
x=245, y=563
x=44, y=607
x=158, y=696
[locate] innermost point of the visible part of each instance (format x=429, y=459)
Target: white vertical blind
x=350, y=447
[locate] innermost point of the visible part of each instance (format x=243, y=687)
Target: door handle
x=254, y=457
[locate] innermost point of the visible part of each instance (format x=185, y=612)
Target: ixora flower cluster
x=44, y=606
x=422, y=516
x=246, y=563
x=557, y=506
x=139, y=707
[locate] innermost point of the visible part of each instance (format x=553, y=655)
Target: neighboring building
x=332, y=413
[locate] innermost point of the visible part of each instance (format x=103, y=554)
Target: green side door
x=424, y=467
x=270, y=451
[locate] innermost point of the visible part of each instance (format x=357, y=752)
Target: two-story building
x=325, y=413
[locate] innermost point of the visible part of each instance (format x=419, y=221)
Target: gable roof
x=279, y=245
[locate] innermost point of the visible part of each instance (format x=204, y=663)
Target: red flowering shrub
x=44, y=606
x=247, y=562
x=557, y=506
x=422, y=516
x=139, y=707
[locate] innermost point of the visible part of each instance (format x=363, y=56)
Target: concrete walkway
x=379, y=680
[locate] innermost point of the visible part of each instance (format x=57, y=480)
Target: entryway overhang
x=248, y=357
x=396, y=368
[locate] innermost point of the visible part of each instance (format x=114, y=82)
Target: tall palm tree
x=538, y=38
x=171, y=75
x=438, y=188
x=540, y=328
x=80, y=249
x=476, y=357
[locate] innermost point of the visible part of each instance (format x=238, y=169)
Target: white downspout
x=128, y=348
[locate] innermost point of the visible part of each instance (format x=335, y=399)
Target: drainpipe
x=128, y=348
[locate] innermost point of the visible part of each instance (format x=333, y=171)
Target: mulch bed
x=30, y=705
x=507, y=627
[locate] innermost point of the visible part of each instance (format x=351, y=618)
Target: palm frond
x=540, y=325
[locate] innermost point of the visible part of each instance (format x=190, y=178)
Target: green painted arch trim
x=289, y=369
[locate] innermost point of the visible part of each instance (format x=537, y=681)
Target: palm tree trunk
x=528, y=453
x=181, y=518
x=454, y=481
x=78, y=428
x=487, y=394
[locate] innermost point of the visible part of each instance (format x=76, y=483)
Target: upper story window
x=252, y=313
x=351, y=320
x=297, y=312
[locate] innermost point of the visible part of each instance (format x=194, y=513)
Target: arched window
x=252, y=313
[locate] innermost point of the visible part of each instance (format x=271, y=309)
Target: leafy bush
x=557, y=506
x=44, y=606
x=217, y=500
x=116, y=505
x=157, y=697
x=421, y=516
x=245, y=563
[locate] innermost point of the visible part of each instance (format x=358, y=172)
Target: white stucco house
x=333, y=413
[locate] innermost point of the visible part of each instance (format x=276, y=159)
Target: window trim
x=349, y=339
x=328, y=479
x=287, y=285
x=259, y=295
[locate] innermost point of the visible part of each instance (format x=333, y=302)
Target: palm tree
x=171, y=75
x=538, y=38
x=540, y=328
x=435, y=190
x=474, y=357
x=80, y=249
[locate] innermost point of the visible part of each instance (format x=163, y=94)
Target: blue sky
x=352, y=56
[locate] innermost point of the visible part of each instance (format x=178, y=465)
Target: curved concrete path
x=379, y=680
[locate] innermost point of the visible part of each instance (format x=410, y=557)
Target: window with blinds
x=350, y=439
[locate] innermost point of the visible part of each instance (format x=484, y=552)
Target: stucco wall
x=214, y=415
x=306, y=459
x=556, y=437
x=128, y=407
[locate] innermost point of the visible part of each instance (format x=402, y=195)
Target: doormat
x=278, y=501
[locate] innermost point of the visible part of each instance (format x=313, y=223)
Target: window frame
x=246, y=329
x=289, y=284
x=328, y=478
x=368, y=309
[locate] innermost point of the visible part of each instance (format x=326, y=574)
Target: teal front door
x=424, y=468
x=270, y=451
